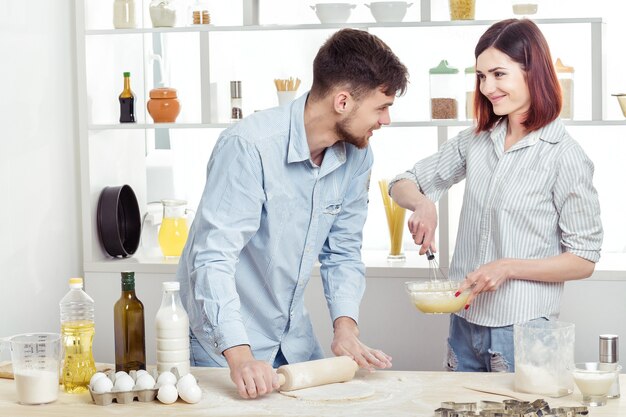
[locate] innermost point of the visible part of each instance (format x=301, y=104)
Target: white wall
x=40, y=244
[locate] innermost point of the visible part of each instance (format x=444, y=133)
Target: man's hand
x=253, y=378
x=346, y=343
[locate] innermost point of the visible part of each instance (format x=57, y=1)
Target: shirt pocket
x=329, y=211
x=331, y=208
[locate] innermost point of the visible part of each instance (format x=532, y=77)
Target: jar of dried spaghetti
x=462, y=9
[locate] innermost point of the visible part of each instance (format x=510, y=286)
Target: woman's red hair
x=524, y=43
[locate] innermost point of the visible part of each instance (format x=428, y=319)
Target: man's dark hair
x=361, y=62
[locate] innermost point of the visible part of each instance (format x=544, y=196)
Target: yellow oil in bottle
x=173, y=235
x=79, y=366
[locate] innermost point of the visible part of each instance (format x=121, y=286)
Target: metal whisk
x=435, y=273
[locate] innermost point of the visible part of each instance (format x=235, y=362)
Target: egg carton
x=124, y=397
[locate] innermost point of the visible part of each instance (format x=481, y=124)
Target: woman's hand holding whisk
x=423, y=222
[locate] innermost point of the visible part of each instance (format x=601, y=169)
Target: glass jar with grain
x=444, y=90
x=462, y=9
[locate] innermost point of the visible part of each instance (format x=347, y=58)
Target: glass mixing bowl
x=436, y=297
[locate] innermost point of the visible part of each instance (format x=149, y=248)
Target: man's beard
x=341, y=130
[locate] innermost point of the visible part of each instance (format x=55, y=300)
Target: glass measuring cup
x=544, y=350
x=174, y=229
x=36, y=358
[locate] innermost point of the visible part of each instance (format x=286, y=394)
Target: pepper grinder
x=236, y=112
x=609, y=355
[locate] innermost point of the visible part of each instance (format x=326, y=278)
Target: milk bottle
x=172, y=330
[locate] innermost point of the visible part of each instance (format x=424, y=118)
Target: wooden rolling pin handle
x=281, y=379
x=318, y=372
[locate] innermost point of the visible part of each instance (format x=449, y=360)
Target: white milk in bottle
x=172, y=330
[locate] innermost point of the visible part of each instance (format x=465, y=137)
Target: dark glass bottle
x=128, y=322
x=127, y=102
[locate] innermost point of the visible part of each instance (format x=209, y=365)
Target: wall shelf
x=356, y=25
x=421, y=123
x=143, y=126
x=415, y=267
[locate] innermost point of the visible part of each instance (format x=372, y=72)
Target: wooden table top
x=398, y=393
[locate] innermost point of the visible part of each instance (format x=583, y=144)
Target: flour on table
x=344, y=391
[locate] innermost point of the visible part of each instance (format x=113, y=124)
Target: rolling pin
x=313, y=373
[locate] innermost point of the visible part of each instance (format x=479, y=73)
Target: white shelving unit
x=113, y=153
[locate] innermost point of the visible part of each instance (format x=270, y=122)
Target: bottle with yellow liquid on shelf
x=174, y=229
x=77, y=331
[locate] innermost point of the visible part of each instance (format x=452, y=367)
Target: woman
x=530, y=218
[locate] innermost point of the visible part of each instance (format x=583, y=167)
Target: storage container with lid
x=470, y=88
x=444, y=91
x=163, y=105
x=124, y=14
x=524, y=7
x=566, y=79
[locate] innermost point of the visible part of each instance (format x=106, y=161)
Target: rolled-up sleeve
x=435, y=174
x=229, y=215
x=577, y=202
x=342, y=270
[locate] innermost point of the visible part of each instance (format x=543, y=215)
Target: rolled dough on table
x=344, y=391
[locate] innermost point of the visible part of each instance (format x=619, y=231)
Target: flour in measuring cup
x=36, y=386
x=537, y=380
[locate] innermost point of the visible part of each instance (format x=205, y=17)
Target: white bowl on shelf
x=388, y=11
x=333, y=12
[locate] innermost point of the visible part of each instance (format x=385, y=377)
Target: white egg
x=102, y=385
x=141, y=372
x=123, y=383
x=96, y=377
x=120, y=373
x=167, y=394
x=144, y=381
x=191, y=393
x=185, y=381
x=166, y=378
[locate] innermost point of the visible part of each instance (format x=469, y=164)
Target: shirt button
x=215, y=344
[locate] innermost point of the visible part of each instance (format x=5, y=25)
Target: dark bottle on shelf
x=128, y=322
x=127, y=102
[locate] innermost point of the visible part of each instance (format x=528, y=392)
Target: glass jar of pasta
x=462, y=9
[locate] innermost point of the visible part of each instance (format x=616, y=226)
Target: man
x=286, y=186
